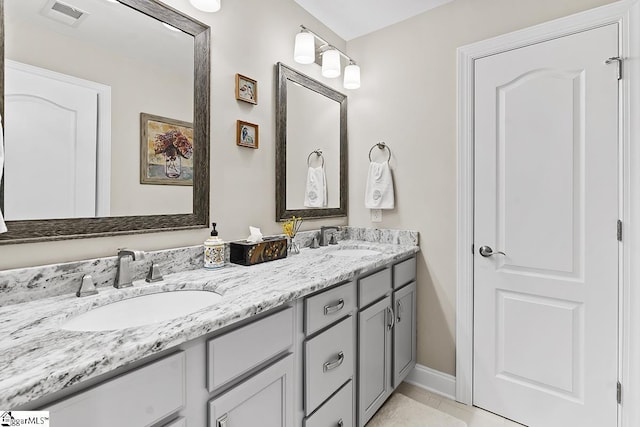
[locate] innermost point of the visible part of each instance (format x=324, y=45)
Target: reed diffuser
x=290, y=229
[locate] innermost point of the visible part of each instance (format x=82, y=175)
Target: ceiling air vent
x=63, y=12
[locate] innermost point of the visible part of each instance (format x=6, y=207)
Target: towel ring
x=318, y=153
x=381, y=146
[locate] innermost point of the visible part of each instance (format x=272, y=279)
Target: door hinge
x=619, y=392
x=618, y=61
x=619, y=231
x=473, y=249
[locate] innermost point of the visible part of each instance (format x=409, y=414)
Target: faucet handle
x=87, y=287
x=154, y=274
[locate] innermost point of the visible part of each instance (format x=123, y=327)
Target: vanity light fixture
x=331, y=63
x=305, y=52
x=351, y=76
x=206, y=5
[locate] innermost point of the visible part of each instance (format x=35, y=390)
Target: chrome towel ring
x=381, y=145
x=318, y=153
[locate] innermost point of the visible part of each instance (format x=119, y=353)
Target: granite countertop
x=38, y=358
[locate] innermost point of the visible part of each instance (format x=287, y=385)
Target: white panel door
x=50, y=144
x=546, y=194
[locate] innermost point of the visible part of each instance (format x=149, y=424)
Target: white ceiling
x=354, y=18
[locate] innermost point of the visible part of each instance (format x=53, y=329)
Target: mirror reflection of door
x=149, y=68
x=51, y=133
x=313, y=122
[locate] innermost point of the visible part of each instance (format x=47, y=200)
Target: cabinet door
x=404, y=332
x=374, y=370
x=264, y=400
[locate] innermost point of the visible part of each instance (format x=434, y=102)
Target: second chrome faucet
x=323, y=235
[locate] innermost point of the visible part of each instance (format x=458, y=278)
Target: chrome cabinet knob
x=486, y=251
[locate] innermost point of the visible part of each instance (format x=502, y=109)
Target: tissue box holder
x=246, y=253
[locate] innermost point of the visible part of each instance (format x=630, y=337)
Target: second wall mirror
x=311, y=133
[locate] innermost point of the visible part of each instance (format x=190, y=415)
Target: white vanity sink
x=354, y=253
x=142, y=310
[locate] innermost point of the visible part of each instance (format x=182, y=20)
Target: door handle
x=393, y=318
x=398, y=311
x=334, y=363
x=340, y=423
x=486, y=251
x=330, y=309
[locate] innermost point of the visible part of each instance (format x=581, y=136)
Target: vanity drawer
x=329, y=363
x=338, y=411
x=372, y=287
x=323, y=309
x=404, y=272
x=141, y=397
x=239, y=351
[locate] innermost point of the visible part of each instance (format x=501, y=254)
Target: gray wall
x=408, y=99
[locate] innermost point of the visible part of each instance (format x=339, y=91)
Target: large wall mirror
x=311, y=135
x=106, y=119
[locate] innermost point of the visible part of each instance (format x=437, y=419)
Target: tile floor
x=474, y=417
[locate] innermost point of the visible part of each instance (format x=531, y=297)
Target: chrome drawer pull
x=330, y=309
x=393, y=318
x=334, y=363
x=222, y=421
x=340, y=423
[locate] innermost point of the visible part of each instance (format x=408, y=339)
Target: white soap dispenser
x=213, y=250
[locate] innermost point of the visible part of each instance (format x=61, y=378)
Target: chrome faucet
x=124, y=278
x=323, y=235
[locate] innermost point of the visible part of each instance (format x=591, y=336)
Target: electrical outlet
x=376, y=215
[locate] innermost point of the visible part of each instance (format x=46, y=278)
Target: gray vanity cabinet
x=386, y=334
x=404, y=332
x=374, y=349
x=263, y=400
x=141, y=397
x=330, y=357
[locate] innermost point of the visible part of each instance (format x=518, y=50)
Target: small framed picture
x=166, y=151
x=246, y=89
x=247, y=134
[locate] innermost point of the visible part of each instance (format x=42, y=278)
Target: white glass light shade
x=351, y=77
x=331, y=63
x=206, y=5
x=304, y=51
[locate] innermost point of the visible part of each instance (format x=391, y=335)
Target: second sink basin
x=353, y=253
x=142, y=310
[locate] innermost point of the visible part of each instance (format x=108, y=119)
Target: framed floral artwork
x=166, y=151
x=247, y=134
x=246, y=89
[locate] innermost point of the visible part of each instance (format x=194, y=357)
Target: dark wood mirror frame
x=75, y=228
x=284, y=74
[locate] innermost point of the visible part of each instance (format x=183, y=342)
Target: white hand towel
x=3, y=227
x=379, y=190
x=315, y=193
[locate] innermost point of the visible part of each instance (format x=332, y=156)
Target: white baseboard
x=433, y=381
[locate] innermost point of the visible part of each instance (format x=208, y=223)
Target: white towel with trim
x=315, y=193
x=3, y=227
x=379, y=190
